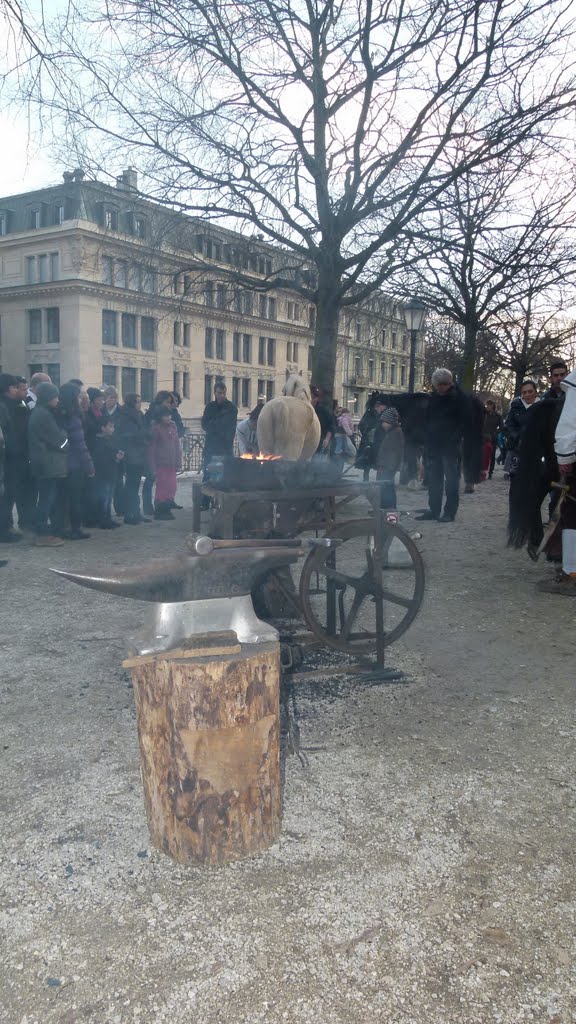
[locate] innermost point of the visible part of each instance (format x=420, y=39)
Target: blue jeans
x=104, y=490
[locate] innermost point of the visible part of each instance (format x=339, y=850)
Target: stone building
x=100, y=284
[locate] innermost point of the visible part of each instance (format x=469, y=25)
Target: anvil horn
x=160, y=580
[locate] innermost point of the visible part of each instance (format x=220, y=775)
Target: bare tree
x=445, y=346
x=502, y=244
x=525, y=340
x=328, y=126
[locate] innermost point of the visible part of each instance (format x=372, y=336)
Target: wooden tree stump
x=208, y=726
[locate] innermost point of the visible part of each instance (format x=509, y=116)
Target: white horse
x=288, y=426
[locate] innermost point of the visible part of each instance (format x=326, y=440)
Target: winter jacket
x=79, y=459
x=390, y=450
x=164, y=450
x=219, y=424
x=493, y=423
x=344, y=424
x=104, y=457
x=514, y=423
x=448, y=419
x=132, y=437
x=10, y=428
x=565, y=443
x=47, y=444
x=92, y=425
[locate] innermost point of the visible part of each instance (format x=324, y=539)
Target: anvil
x=196, y=592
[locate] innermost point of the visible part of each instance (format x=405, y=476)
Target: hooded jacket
x=47, y=444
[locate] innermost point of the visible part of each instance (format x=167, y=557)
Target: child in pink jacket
x=165, y=457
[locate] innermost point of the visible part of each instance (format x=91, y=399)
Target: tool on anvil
x=199, y=544
x=193, y=594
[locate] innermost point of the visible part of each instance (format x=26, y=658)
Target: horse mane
x=296, y=388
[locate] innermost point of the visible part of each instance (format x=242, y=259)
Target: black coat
x=132, y=437
x=514, y=423
x=537, y=468
x=48, y=459
x=219, y=424
x=104, y=451
x=448, y=419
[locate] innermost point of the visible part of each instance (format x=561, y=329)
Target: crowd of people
x=73, y=458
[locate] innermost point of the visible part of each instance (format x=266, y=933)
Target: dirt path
x=425, y=873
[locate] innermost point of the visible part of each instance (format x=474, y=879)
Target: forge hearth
x=237, y=474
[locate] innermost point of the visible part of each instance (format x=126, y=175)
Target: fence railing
x=193, y=452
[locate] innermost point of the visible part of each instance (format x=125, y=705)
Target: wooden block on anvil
x=202, y=645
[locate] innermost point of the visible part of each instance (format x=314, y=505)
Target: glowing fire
x=261, y=457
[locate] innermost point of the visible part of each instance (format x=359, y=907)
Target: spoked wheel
x=340, y=587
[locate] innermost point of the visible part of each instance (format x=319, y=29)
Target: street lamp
x=414, y=312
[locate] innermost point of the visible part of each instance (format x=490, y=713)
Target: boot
x=162, y=511
x=469, y=489
x=47, y=541
x=561, y=584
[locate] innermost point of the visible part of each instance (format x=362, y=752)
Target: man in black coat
x=219, y=424
x=447, y=423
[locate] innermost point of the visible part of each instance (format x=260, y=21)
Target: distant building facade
x=99, y=284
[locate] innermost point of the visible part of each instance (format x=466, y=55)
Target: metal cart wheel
x=342, y=612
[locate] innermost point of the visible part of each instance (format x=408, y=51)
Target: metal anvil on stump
x=206, y=679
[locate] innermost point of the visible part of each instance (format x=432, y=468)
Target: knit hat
x=94, y=393
x=390, y=416
x=45, y=392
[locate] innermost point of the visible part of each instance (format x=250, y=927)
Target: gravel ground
x=426, y=867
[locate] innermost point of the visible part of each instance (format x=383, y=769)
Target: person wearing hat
x=47, y=443
x=389, y=447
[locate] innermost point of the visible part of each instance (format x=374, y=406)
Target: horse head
x=296, y=388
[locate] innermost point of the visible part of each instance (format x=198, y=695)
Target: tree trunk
x=469, y=356
x=326, y=334
x=208, y=727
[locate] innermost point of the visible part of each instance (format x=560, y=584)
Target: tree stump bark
x=208, y=727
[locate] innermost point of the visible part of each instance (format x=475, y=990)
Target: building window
x=53, y=371
x=392, y=373
x=140, y=232
x=383, y=337
x=147, y=385
x=271, y=309
x=128, y=330
x=247, y=303
x=109, y=327
x=128, y=381
x=121, y=273
x=186, y=284
x=312, y=317
x=30, y=270
x=246, y=348
x=176, y=381
x=149, y=283
x=262, y=305
x=34, y=218
x=220, y=345
x=382, y=372
x=404, y=342
x=148, y=335
x=358, y=331
x=236, y=391
x=53, y=326
x=186, y=336
x=261, y=388
x=370, y=370
x=136, y=277
x=271, y=352
x=246, y=391
x=237, y=300
x=185, y=384
x=35, y=368
x=42, y=268
x=357, y=366
x=403, y=375
x=209, y=343
x=59, y=213
x=107, y=270
x=221, y=296
x=177, y=333
x=269, y=390
x=288, y=351
x=207, y=389
x=3, y=224
x=209, y=293
x=236, y=347
x=54, y=266
x=393, y=339
x=262, y=351
x=109, y=375
x=111, y=219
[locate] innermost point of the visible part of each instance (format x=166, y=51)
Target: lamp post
x=414, y=312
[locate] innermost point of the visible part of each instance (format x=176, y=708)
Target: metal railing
x=193, y=452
